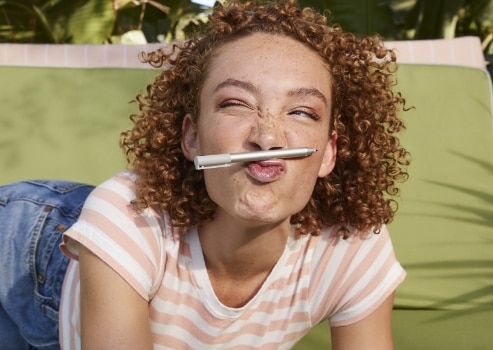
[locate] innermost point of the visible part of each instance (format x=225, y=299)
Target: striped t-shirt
x=317, y=278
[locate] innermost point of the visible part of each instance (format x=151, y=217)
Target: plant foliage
x=97, y=21
x=138, y=21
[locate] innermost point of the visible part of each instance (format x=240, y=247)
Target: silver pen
x=223, y=160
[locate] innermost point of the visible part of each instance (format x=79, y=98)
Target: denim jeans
x=33, y=216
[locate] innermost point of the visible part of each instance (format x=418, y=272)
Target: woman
x=251, y=255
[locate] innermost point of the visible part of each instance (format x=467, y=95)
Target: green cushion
x=65, y=123
x=443, y=233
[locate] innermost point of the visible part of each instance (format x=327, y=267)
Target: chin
x=264, y=216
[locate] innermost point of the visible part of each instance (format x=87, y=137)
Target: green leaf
x=56, y=21
x=91, y=23
x=434, y=19
x=448, y=19
x=18, y=21
x=361, y=17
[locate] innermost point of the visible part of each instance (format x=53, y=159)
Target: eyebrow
x=251, y=88
x=239, y=83
x=309, y=92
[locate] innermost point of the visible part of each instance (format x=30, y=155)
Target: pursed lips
x=266, y=170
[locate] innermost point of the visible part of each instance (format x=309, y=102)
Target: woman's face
x=263, y=92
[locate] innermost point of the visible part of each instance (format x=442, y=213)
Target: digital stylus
x=222, y=160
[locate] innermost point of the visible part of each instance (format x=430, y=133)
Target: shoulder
x=350, y=276
x=111, y=202
x=132, y=243
x=332, y=245
x=120, y=187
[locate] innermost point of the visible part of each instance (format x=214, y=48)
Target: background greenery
x=137, y=21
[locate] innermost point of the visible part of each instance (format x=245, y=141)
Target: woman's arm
x=113, y=314
x=371, y=333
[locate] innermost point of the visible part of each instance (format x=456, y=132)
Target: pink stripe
x=116, y=265
x=222, y=335
x=375, y=305
x=363, y=267
x=320, y=275
x=375, y=280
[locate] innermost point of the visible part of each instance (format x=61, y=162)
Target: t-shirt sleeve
x=353, y=277
x=131, y=243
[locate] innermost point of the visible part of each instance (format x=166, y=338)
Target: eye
x=305, y=112
x=234, y=103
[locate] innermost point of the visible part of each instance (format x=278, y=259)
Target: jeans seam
x=34, y=245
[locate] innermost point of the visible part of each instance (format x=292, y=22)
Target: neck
x=242, y=251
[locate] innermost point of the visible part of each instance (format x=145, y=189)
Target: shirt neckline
x=198, y=268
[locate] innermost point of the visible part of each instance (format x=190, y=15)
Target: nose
x=267, y=132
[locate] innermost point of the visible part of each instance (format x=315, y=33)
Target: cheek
x=211, y=185
x=309, y=137
x=223, y=136
x=219, y=182
x=301, y=194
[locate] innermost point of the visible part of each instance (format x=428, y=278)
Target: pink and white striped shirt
x=316, y=278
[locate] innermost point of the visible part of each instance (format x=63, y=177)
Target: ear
x=329, y=159
x=189, y=140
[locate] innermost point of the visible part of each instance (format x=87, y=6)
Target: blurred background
x=139, y=21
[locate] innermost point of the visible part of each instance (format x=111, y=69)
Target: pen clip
x=202, y=167
x=212, y=161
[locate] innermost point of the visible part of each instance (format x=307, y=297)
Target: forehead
x=262, y=56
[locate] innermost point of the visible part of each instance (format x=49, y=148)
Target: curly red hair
x=357, y=195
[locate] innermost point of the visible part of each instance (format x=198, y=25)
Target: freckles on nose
x=268, y=119
x=267, y=122
x=269, y=125
x=268, y=132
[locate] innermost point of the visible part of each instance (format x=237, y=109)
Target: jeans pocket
x=48, y=307
x=34, y=216
x=48, y=264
